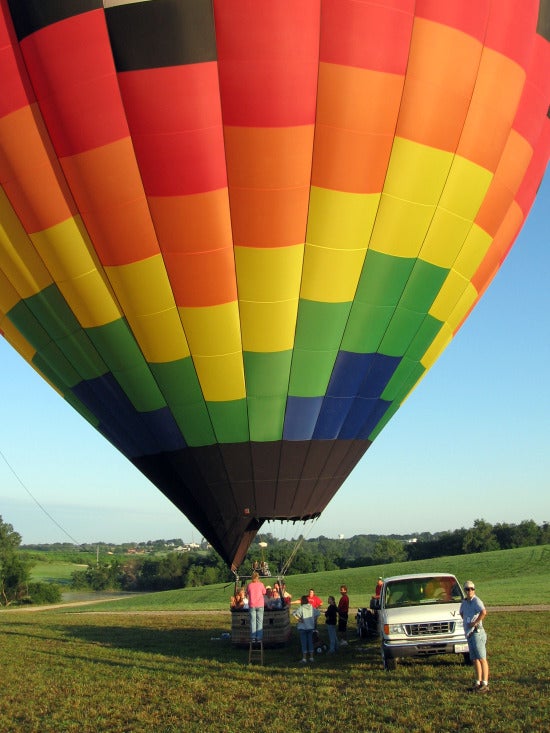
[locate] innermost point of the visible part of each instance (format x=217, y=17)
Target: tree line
x=176, y=570
x=166, y=569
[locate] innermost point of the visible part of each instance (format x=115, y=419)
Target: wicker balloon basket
x=276, y=629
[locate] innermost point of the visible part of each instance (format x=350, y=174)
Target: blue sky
x=470, y=442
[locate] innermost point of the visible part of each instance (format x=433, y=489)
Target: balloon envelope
x=235, y=234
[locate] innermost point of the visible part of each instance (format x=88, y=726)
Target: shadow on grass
x=186, y=644
x=168, y=642
x=165, y=641
x=191, y=645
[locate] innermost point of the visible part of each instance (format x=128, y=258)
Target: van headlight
x=393, y=629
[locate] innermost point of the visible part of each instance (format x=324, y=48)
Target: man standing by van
x=343, y=612
x=473, y=612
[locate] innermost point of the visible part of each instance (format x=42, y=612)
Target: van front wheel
x=390, y=663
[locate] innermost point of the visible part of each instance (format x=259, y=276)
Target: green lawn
x=150, y=672
x=54, y=572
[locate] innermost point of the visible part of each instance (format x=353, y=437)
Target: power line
x=38, y=504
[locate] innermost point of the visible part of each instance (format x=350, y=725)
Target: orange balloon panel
x=235, y=234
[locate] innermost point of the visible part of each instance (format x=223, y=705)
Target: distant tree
x=524, y=534
x=442, y=544
x=361, y=548
x=505, y=535
x=98, y=576
x=194, y=576
x=480, y=538
x=388, y=550
x=14, y=569
x=43, y=593
x=529, y=533
x=544, y=538
x=130, y=572
x=210, y=576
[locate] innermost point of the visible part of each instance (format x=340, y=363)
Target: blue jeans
x=306, y=640
x=257, y=623
x=331, y=631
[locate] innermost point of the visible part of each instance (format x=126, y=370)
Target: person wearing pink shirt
x=255, y=592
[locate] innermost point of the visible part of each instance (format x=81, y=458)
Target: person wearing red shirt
x=314, y=600
x=376, y=595
x=343, y=610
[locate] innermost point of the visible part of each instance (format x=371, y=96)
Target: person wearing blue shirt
x=307, y=616
x=473, y=612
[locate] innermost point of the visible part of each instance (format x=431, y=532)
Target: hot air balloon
x=235, y=234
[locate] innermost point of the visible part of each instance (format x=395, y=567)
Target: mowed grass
x=113, y=668
x=167, y=672
x=54, y=572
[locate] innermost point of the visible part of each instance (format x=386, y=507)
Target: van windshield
x=420, y=591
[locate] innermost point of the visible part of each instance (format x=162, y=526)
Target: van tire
x=467, y=660
x=390, y=663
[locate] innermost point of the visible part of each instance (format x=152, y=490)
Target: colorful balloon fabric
x=234, y=235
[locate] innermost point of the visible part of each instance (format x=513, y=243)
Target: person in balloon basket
x=343, y=612
x=331, y=617
x=237, y=601
x=473, y=611
x=282, y=593
x=271, y=602
x=307, y=616
x=255, y=592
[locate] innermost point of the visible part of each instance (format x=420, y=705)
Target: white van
x=418, y=615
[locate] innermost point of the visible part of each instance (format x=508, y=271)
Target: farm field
x=55, y=572
x=118, y=667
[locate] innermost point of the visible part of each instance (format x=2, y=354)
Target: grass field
x=54, y=572
x=112, y=668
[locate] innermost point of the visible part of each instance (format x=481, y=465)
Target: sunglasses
x=469, y=588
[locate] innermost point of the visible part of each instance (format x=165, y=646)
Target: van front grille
x=430, y=628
